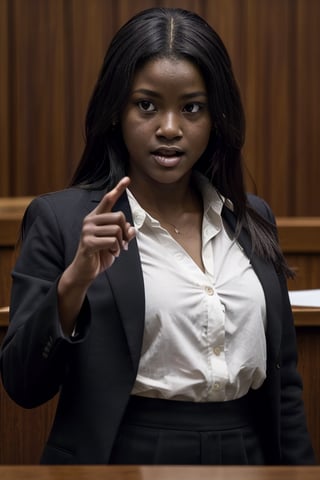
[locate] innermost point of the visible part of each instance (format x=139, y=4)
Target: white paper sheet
x=305, y=298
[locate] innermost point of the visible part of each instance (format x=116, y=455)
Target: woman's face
x=166, y=123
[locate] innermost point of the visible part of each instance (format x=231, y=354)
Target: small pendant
x=176, y=230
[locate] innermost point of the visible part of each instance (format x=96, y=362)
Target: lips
x=167, y=156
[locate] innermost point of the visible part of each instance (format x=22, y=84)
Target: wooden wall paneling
x=53, y=50
x=40, y=106
x=91, y=26
x=229, y=21
x=306, y=76
x=7, y=260
x=307, y=270
x=28, y=429
x=308, y=340
x=267, y=100
x=4, y=99
x=193, y=5
x=125, y=9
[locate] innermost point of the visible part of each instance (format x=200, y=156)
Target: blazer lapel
x=126, y=280
x=270, y=284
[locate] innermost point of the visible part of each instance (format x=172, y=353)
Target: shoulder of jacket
x=260, y=206
x=69, y=205
x=67, y=199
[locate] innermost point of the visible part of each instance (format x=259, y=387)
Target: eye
x=193, y=107
x=146, y=106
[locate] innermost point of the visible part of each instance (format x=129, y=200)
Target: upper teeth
x=168, y=153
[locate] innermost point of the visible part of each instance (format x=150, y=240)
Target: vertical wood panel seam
x=11, y=89
x=69, y=80
x=292, y=128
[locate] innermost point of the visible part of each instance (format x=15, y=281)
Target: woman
x=152, y=293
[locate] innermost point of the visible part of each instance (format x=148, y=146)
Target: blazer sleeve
x=35, y=354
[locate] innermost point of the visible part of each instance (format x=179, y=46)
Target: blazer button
x=278, y=365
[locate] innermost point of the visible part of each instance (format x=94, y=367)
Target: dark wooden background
x=50, y=55
x=51, y=52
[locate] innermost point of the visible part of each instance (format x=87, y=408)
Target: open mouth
x=167, y=157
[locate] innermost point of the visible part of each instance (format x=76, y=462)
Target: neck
x=178, y=210
x=167, y=200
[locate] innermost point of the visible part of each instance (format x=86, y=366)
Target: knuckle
x=86, y=230
x=117, y=230
x=119, y=217
x=114, y=245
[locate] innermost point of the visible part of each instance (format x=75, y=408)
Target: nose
x=169, y=126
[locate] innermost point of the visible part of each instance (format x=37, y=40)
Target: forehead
x=169, y=73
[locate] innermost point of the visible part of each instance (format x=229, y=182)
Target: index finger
x=111, y=197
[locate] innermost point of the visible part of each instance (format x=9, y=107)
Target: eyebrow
x=152, y=93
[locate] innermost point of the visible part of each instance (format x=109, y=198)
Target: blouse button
x=217, y=351
x=209, y=290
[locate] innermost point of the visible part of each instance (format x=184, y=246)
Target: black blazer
x=95, y=371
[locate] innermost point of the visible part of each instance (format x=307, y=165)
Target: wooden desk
x=157, y=473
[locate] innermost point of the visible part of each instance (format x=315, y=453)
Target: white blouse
x=204, y=337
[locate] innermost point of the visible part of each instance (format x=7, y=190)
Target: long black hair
x=174, y=33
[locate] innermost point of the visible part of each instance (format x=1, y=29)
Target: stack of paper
x=305, y=298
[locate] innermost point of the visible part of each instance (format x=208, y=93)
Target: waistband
x=160, y=413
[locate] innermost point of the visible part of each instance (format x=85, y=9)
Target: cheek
x=202, y=136
x=133, y=128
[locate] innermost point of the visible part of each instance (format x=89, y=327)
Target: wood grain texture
x=308, y=339
x=141, y=472
x=52, y=52
x=306, y=78
x=40, y=94
x=5, y=174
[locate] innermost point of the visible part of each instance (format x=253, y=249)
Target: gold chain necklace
x=176, y=230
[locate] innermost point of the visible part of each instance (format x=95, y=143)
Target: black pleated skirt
x=169, y=432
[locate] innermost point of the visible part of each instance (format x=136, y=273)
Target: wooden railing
x=299, y=238
x=11, y=212
x=300, y=241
